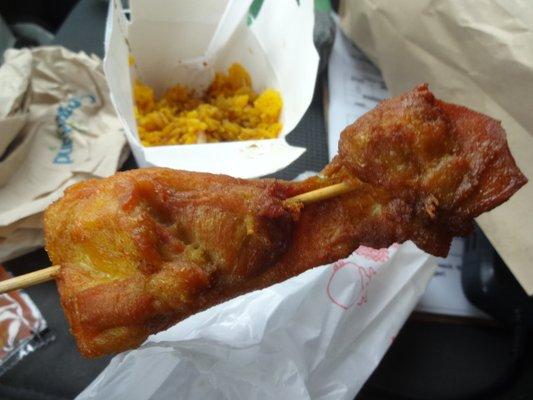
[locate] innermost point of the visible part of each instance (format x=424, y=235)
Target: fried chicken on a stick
x=144, y=249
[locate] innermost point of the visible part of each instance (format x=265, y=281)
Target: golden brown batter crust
x=144, y=249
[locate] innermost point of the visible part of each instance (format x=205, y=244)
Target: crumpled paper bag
x=476, y=53
x=57, y=127
x=316, y=336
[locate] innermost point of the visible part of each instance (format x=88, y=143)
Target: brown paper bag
x=479, y=54
x=57, y=127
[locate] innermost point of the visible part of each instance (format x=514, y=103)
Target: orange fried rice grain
x=229, y=110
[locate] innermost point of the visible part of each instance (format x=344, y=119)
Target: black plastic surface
x=490, y=285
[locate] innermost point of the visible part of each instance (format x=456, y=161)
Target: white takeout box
x=186, y=42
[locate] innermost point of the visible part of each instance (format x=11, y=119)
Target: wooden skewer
x=33, y=278
x=322, y=194
x=47, y=274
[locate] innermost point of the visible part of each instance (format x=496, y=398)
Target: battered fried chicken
x=144, y=249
